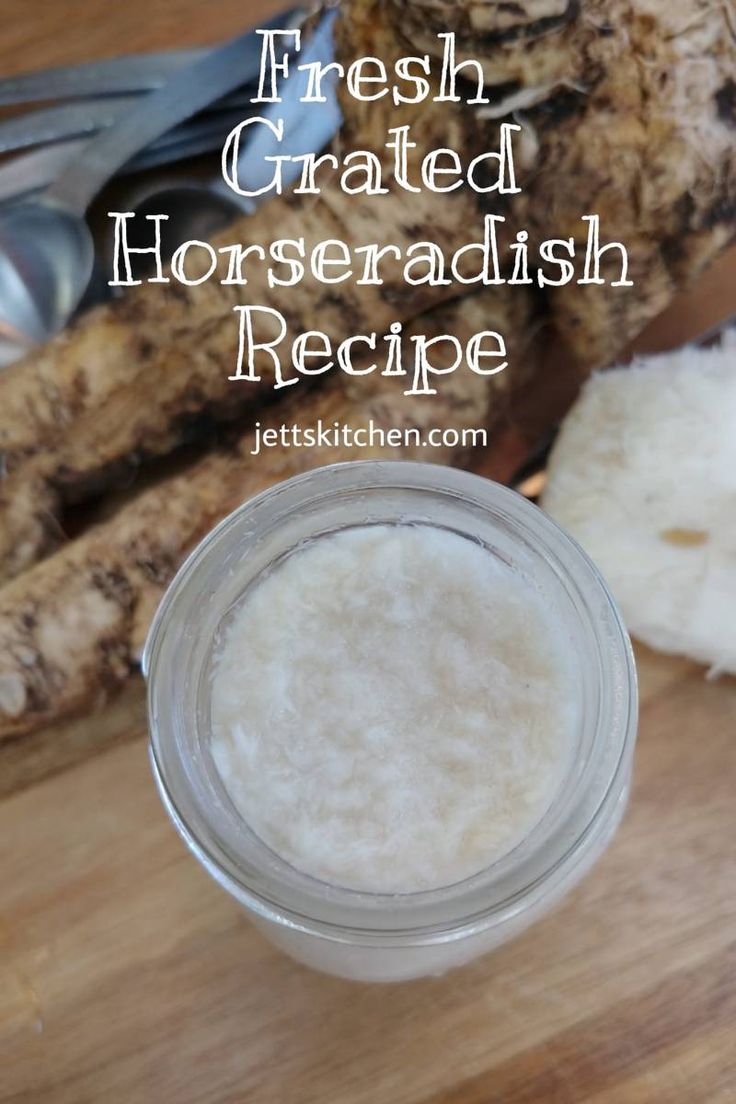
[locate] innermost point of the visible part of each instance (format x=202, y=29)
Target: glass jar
x=371, y=936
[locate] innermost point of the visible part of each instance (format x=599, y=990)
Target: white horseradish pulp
x=393, y=708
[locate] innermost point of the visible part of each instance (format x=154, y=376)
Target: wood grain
x=127, y=976
x=70, y=31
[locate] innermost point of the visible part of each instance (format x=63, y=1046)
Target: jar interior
x=252, y=543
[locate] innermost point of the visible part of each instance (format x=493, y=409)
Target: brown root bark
x=72, y=627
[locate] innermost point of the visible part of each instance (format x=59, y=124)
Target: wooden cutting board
x=127, y=977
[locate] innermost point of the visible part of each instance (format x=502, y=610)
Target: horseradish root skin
x=72, y=627
x=619, y=98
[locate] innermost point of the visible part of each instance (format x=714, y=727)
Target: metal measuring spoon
x=198, y=210
x=46, y=248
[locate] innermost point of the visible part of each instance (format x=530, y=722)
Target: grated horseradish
x=393, y=708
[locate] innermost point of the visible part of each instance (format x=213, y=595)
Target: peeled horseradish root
x=643, y=475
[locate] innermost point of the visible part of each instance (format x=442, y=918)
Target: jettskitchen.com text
x=371, y=435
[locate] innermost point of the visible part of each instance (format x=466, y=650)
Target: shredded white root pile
x=644, y=476
x=393, y=708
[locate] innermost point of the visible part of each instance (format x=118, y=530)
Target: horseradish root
x=72, y=627
x=627, y=109
x=132, y=380
x=628, y=112
x=644, y=476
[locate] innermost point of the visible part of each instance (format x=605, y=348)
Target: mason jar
x=378, y=936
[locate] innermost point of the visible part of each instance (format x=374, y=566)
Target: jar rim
x=535, y=867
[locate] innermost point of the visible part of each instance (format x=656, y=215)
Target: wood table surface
x=127, y=977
